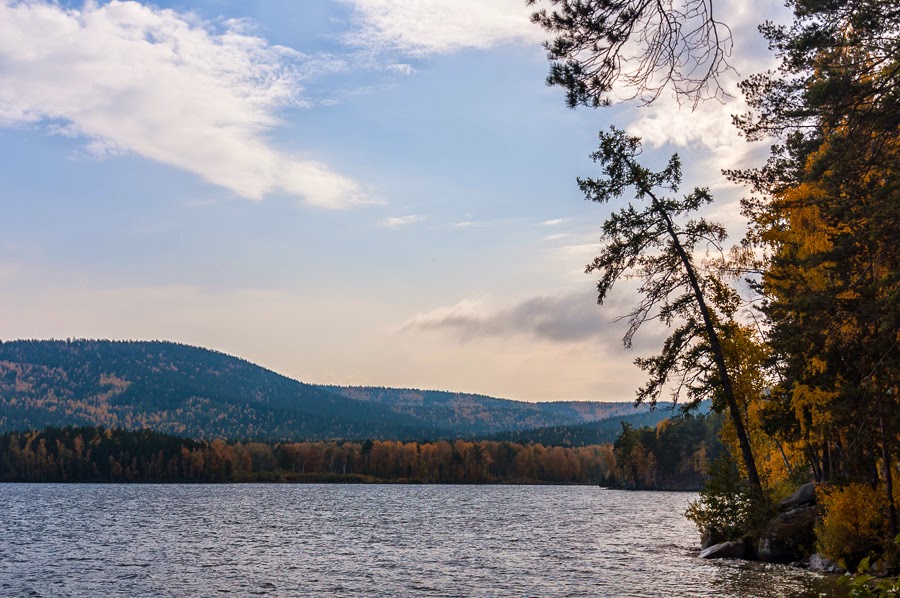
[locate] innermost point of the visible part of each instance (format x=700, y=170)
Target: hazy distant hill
x=597, y=432
x=197, y=392
x=479, y=415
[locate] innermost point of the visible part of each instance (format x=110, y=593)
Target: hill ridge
x=193, y=391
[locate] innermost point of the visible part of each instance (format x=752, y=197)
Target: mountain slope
x=596, y=432
x=479, y=415
x=195, y=392
x=177, y=389
x=599, y=432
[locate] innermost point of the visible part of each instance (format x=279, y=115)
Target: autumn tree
x=826, y=221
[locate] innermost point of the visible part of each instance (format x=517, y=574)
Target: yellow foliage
x=853, y=523
x=806, y=222
x=816, y=402
x=747, y=355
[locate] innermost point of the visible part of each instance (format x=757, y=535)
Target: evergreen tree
x=827, y=218
x=651, y=245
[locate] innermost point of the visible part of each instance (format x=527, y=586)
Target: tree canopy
x=817, y=382
x=826, y=225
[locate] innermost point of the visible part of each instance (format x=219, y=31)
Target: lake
x=394, y=540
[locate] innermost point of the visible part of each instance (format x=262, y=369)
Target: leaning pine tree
x=649, y=244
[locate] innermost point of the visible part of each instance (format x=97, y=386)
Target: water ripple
x=357, y=540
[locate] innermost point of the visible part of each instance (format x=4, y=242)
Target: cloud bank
x=398, y=221
x=562, y=318
x=423, y=27
x=164, y=85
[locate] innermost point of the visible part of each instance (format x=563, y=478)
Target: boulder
x=822, y=564
x=880, y=568
x=803, y=497
x=735, y=549
x=710, y=537
x=790, y=536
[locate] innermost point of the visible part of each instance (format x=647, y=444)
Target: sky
x=355, y=192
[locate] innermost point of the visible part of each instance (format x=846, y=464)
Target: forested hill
x=602, y=431
x=598, y=432
x=180, y=390
x=199, y=393
x=479, y=415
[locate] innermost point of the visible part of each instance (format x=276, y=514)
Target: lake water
x=384, y=540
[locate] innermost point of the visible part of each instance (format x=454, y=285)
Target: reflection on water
x=179, y=540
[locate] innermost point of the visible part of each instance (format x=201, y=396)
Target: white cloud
x=402, y=68
x=491, y=223
x=422, y=27
x=166, y=86
x=458, y=315
x=398, y=221
x=708, y=128
x=582, y=251
x=554, y=222
x=555, y=318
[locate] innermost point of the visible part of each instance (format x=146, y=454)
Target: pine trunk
x=718, y=356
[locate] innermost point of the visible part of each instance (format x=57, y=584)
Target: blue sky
x=375, y=192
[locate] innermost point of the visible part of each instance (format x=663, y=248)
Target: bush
x=853, y=525
x=865, y=586
x=728, y=507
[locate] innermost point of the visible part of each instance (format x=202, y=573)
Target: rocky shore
x=789, y=538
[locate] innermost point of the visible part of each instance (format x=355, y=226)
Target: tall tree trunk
x=715, y=345
x=787, y=464
x=888, y=478
x=813, y=454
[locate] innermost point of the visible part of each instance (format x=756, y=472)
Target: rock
x=880, y=568
x=822, y=564
x=710, y=537
x=803, y=497
x=736, y=549
x=790, y=536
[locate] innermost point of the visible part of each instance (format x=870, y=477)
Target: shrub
x=728, y=507
x=865, y=586
x=853, y=525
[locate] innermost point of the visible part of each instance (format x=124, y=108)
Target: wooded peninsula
x=675, y=454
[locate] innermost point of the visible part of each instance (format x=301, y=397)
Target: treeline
x=91, y=454
x=604, y=431
x=673, y=455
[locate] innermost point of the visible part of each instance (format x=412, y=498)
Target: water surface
x=301, y=540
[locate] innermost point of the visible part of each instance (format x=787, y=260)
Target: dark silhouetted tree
x=640, y=47
x=649, y=244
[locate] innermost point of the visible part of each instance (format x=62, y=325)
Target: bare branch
x=636, y=47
